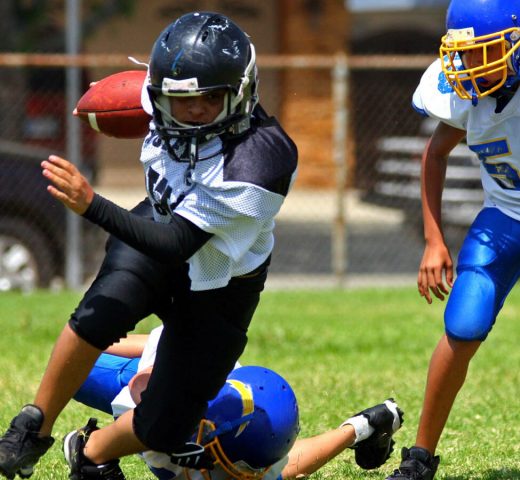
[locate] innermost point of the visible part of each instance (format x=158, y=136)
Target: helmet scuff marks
x=203, y=53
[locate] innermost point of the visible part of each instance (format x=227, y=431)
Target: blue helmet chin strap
x=226, y=427
x=474, y=98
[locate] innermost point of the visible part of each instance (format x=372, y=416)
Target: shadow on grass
x=491, y=474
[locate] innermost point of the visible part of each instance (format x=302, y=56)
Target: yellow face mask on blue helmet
x=251, y=424
x=489, y=30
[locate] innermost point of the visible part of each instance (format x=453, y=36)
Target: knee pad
x=110, y=308
x=472, y=306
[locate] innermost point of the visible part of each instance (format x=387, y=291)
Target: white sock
x=361, y=427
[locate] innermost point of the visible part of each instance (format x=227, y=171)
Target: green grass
x=341, y=350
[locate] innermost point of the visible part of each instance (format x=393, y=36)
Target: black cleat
x=81, y=468
x=20, y=446
x=416, y=464
x=385, y=418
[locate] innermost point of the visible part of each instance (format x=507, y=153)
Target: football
x=112, y=106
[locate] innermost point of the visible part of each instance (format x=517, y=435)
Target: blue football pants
x=487, y=269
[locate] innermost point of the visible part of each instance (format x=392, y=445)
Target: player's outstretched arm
x=309, y=454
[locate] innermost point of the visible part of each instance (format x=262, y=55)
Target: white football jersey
x=492, y=136
x=233, y=193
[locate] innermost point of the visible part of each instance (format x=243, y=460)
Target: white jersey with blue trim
x=492, y=136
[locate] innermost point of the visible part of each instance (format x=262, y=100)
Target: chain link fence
x=354, y=213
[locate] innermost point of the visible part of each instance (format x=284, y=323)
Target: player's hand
x=435, y=264
x=192, y=455
x=70, y=187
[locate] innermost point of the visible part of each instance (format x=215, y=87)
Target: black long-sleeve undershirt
x=172, y=243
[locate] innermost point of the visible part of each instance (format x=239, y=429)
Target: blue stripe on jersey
x=504, y=174
x=493, y=149
x=419, y=110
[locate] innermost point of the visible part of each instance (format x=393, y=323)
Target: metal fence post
x=73, y=259
x=340, y=129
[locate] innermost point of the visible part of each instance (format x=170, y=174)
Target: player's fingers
x=439, y=282
x=58, y=195
x=63, y=164
x=449, y=275
x=420, y=282
x=432, y=283
x=63, y=174
x=55, y=169
x=422, y=285
x=56, y=175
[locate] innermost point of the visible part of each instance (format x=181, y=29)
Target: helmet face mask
x=251, y=424
x=470, y=81
x=198, y=54
x=240, y=469
x=487, y=32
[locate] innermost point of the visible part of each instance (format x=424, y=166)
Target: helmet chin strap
x=226, y=427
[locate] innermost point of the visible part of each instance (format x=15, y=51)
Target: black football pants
x=205, y=332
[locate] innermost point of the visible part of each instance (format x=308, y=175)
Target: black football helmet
x=199, y=53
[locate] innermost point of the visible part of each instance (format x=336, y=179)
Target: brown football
x=112, y=106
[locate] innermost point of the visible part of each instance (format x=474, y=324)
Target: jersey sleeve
x=173, y=242
x=236, y=215
x=434, y=97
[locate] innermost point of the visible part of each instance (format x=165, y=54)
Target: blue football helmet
x=251, y=424
x=200, y=53
x=485, y=28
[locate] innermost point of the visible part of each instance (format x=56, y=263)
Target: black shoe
x=385, y=418
x=20, y=446
x=416, y=464
x=81, y=468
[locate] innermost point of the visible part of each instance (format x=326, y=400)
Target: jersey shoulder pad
x=265, y=156
x=434, y=97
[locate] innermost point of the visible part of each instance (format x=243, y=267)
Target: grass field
x=341, y=350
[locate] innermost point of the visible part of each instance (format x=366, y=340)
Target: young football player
x=263, y=447
x=217, y=170
x=472, y=91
